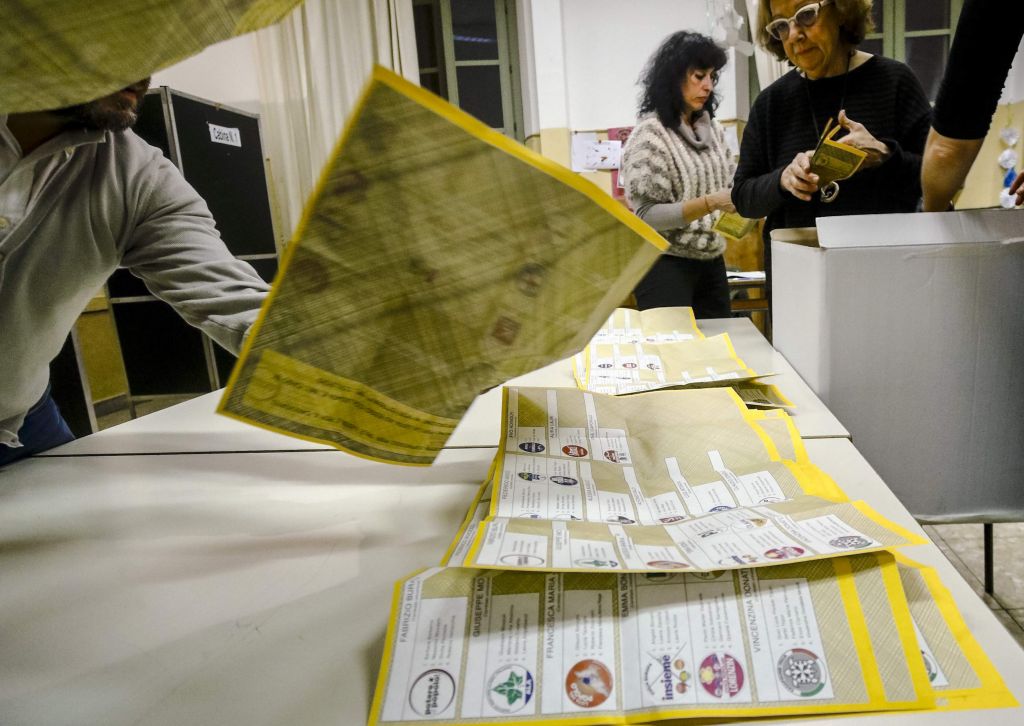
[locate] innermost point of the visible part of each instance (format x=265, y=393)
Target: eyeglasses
x=805, y=17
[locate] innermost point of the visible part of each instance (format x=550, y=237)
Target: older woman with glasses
x=878, y=102
x=677, y=168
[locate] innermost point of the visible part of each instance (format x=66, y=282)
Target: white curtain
x=312, y=67
x=769, y=69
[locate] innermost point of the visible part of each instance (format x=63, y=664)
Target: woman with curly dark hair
x=878, y=102
x=676, y=169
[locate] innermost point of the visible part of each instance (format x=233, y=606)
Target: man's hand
x=797, y=178
x=859, y=137
x=1018, y=188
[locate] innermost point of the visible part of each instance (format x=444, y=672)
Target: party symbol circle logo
x=666, y=679
x=574, y=450
x=595, y=563
x=721, y=675
x=930, y=666
x=850, y=542
x=432, y=693
x=532, y=447
x=566, y=481
x=510, y=688
x=800, y=671
x=588, y=683
x=667, y=564
x=530, y=476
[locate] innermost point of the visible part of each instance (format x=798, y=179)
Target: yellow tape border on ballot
x=992, y=693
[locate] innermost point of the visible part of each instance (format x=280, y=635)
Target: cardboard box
x=910, y=327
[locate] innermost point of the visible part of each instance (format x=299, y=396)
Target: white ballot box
x=910, y=327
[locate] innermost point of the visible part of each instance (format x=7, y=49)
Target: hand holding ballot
x=834, y=161
x=860, y=138
x=798, y=179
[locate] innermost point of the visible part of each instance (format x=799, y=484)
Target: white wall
x=223, y=73
x=1013, y=91
x=542, y=56
x=585, y=57
x=606, y=46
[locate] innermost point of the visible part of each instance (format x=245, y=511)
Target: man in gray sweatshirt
x=80, y=195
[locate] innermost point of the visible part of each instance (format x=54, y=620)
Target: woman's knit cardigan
x=662, y=166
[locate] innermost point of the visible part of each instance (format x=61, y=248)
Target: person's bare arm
x=944, y=169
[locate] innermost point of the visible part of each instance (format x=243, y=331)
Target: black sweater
x=882, y=94
x=987, y=36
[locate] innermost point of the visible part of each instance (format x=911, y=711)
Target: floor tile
x=974, y=531
x=973, y=580
x=1011, y=625
x=1017, y=615
x=968, y=532
x=1008, y=567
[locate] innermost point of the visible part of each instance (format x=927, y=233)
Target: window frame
x=894, y=25
x=507, y=62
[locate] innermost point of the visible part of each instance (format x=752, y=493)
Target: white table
x=250, y=589
x=812, y=419
x=191, y=427
x=230, y=589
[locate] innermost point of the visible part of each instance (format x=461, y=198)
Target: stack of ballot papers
x=663, y=556
x=705, y=483
x=664, y=348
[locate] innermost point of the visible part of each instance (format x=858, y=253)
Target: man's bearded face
x=116, y=112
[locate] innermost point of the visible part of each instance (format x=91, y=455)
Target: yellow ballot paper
x=776, y=426
x=800, y=529
x=626, y=326
x=470, y=647
x=437, y=259
x=779, y=427
x=56, y=54
x=662, y=457
x=678, y=480
x=833, y=160
x=958, y=670
x=762, y=395
x=657, y=325
x=734, y=226
x=618, y=368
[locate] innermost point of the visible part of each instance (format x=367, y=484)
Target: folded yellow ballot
x=654, y=458
x=615, y=368
x=56, y=54
x=437, y=259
